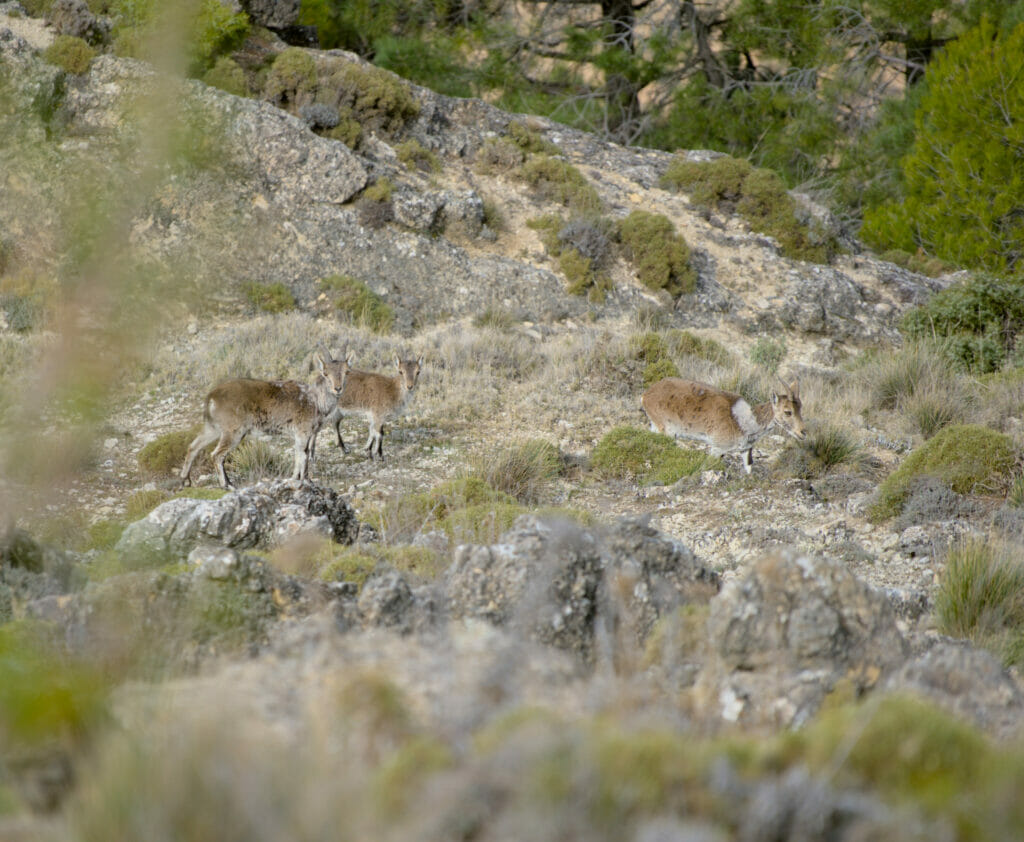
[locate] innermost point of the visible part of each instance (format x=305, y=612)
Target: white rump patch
x=744, y=416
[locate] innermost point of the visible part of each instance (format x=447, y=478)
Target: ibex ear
x=349, y=356
x=419, y=362
x=318, y=358
x=775, y=398
x=794, y=388
x=398, y=362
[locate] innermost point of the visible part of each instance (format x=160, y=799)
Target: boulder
x=264, y=515
x=560, y=582
x=782, y=637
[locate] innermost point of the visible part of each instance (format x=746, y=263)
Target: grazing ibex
x=723, y=420
x=379, y=397
x=236, y=407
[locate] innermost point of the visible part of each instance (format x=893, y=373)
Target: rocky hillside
x=514, y=626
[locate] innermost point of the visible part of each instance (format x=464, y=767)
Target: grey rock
x=783, y=635
x=320, y=116
x=213, y=562
x=263, y=515
x=273, y=14
x=73, y=17
x=560, y=582
x=967, y=682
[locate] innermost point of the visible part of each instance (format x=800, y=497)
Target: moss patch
x=560, y=182
x=969, y=458
x=166, y=454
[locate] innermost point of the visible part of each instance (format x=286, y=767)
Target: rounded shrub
x=270, y=298
x=560, y=182
x=660, y=255
x=969, y=458
x=648, y=457
x=72, y=54
x=166, y=454
x=362, y=305
x=293, y=73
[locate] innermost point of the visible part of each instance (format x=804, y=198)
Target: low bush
x=71, y=54
x=292, y=77
x=560, y=182
x=685, y=343
x=921, y=263
x=647, y=457
x=657, y=251
x=498, y=154
x=659, y=370
x=732, y=185
x=166, y=454
x=530, y=140
x=360, y=303
x=270, y=298
x=415, y=155
x=581, y=248
x=768, y=353
x=981, y=597
x=376, y=99
x=969, y=458
x=228, y=76
x=980, y=320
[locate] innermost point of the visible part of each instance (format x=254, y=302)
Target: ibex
x=379, y=397
x=236, y=407
x=723, y=420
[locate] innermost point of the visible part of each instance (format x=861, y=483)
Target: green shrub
x=414, y=155
x=228, y=76
x=969, y=458
x=731, y=185
x=380, y=191
x=496, y=318
x=103, y=535
x=166, y=454
x=376, y=99
x=659, y=254
x=564, y=242
x=923, y=264
x=981, y=597
x=73, y=55
x=768, y=353
x=292, y=74
x=423, y=510
x=522, y=470
x=659, y=370
x=560, y=182
x=979, y=319
x=350, y=565
x=648, y=347
x=530, y=140
x=893, y=377
x=270, y=298
x=648, y=457
x=684, y=343
x=363, y=306
x=498, y=154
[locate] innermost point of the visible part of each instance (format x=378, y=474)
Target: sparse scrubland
x=535, y=618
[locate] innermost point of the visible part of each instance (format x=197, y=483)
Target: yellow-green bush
x=732, y=185
x=166, y=454
x=415, y=155
x=363, y=306
x=648, y=457
x=523, y=470
x=560, y=182
x=292, y=74
x=971, y=459
x=270, y=298
x=377, y=99
x=70, y=53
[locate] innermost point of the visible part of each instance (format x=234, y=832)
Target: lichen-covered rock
x=557, y=581
x=273, y=14
x=263, y=515
x=782, y=636
x=967, y=682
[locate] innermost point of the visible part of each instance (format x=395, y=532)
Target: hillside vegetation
x=534, y=617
